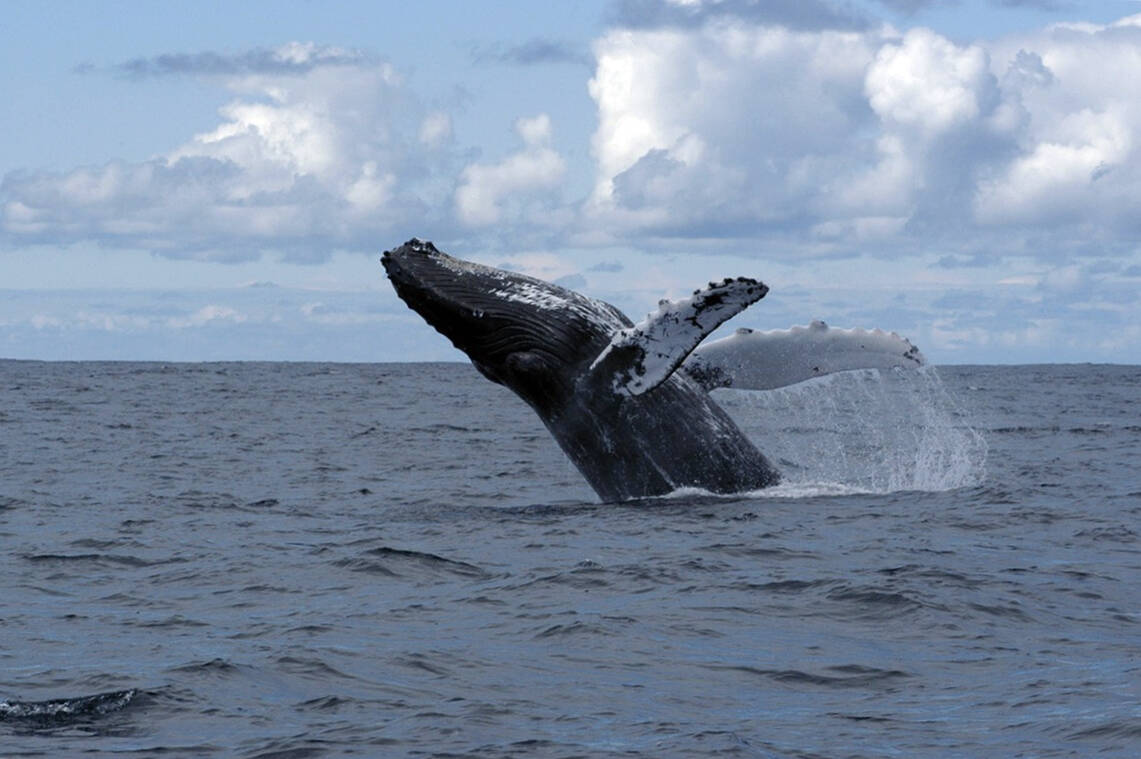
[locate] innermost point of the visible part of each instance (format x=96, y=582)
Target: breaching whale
x=629, y=403
x=607, y=390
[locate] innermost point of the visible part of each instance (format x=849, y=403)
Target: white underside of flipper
x=755, y=360
x=645, y=355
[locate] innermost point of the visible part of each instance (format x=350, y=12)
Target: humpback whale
x=609, y=391
x=628, y=403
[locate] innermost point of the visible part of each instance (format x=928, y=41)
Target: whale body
x=609, y=391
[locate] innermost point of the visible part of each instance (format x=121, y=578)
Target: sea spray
x=868, y=431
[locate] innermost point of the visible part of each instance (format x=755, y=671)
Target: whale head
x=532, y=336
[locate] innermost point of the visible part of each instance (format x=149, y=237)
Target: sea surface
x=311, y=560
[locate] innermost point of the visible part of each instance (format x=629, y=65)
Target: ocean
x=323, y=560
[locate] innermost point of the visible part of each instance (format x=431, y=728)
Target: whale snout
x=412, y=261
x=453, y=296
x=424, y=277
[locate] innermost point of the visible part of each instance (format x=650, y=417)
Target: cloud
x=728, y=129
x=957, y=262
x=928, y=84
x=293, y=58
x=1065, y=279
x=1079, y=160
x=534, y=52
x=486, y=189
x=436, y=129
x=913, y=6
x=732, y=126
x=242, y=323
x=609, y=267
x=1046, y=5
x=572, y=282
x=794, y=14
x=829, y=141
x=211, y=314
x=331, y=154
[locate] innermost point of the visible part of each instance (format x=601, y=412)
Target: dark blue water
x=306, y=560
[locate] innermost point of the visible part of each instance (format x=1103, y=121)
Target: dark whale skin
x=542, y=341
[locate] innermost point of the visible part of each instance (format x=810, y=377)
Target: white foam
x=862, y=432
x=810, y=490
x=783, y=490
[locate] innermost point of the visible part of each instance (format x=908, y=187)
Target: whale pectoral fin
x=641, y=357
x=754, y=360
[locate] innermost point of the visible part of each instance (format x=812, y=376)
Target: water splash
x=866, y=431
x=66, y=710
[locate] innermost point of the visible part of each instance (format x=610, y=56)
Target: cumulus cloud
x=717, y=120
x=835, y=139
x=928, y=83
x=727, y=126
x=520, y=180
x=327, y=154
x=762, y=128
x=1078, y=163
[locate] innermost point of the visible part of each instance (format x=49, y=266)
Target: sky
x=216, y=181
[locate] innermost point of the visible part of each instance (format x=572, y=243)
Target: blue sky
x=201, y=181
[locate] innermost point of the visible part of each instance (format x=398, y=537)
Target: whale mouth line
x=431, y=280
